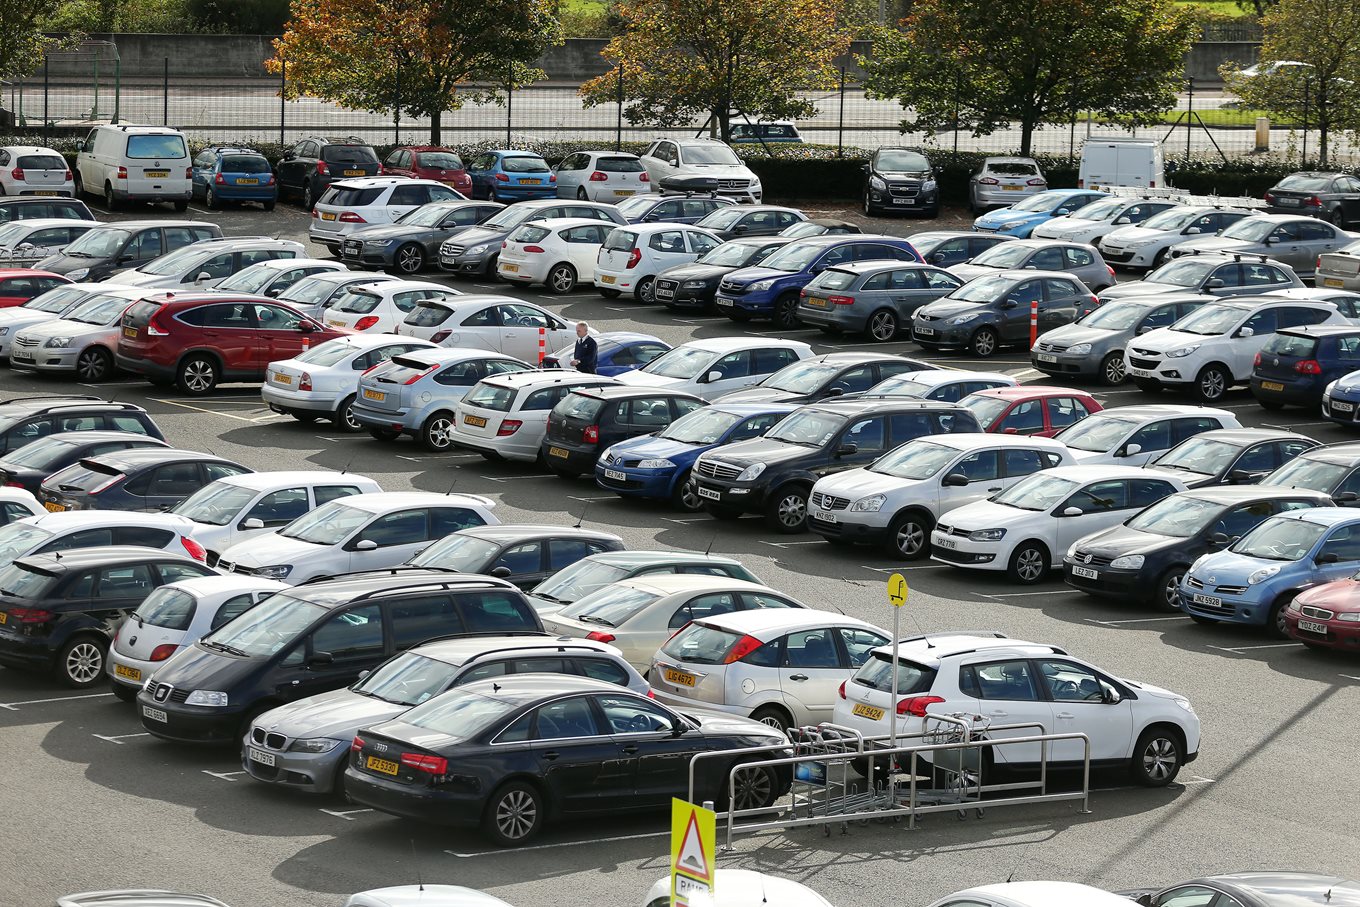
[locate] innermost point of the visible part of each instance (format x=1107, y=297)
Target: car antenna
x=585, y=507
x=420, y=882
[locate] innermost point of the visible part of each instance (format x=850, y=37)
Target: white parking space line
x=1136, y=620
x=14, y=706
x=1238, y=650
x=519, y=850
x=119, y=738
x=346, y=814
x=224, y=776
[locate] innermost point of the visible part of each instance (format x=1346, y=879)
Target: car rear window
x=620, y=241
x=1291, y=345
x=490, y=396
x=523, y=164
x=427, y=315
x=701, y=644
x=348, y=197
x=349, y=154
x=143, y=147
x=41, y=162
x=619, y=165
x=876, y=674
x=244, y=163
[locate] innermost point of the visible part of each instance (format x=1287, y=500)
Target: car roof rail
x=564, y=643
x=474, y=634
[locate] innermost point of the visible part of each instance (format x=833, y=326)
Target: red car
x=429, y=162
x=1030, y=409
x=1326, y=616
x=19, y=285
x=199, y=340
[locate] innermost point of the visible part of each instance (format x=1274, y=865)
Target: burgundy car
x=1326, y=616
x=429, y=162
x=199, y=340
x=1030, y=409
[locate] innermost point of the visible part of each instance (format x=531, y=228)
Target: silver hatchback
x=876, y=297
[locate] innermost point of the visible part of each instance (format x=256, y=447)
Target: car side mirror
x=1329, y=557
x=320, y=659
x=712, y=376
x=1239, y=477
x=1214, y=284
x=500, y=572
x=846, y=450
x=365, y=545
x=1072, y=511
x=955, y=480
x=1131, y=449
x=252, y=523
x=1346, y=497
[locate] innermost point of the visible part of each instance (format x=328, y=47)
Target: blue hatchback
x=772, y=288
x=511, y=176
x=1254, y=580
x=1021, y=218
x=658, y=466
x=231, y=174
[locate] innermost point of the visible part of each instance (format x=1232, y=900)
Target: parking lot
x=91, y=802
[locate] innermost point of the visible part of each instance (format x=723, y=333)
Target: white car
x=48, y=307
x=356, y=533
x=601, y=176
x=313, y=295
x=236, y=508
x=896, y=500
x=683, y=165
x=718, y=365
x=781, y=666
x=1215, y=346
x=174, y=616
x=378, y=307
x=322, y=382
x=558, y=252
x=24, y=242
x=202, y=265
x=39, y=532
x=1040, y=894
x=352, y=204
x=1149, y=731
x=1026, y=529
x=632, y=256
x=950, y=385
x=506, y=417
x=35, y=170
x=1133, y=435
x=1100, y=218
x=1145, y=246
x=270, y=278
x=502, y=324
x=741, y=888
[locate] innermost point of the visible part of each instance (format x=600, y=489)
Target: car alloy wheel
x=983, y=343
x=94, y=364
x=1211, y=384
x=1028, y=564
x=82, y=663
x=437, y=433
x=562, y=278
x=410, y=259
x=1113, y=368
x=883, y=325
x=752, y=788
x=197, y=376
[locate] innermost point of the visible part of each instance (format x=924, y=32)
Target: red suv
x=430, y=162
x=1030, y=409
x=198, y=340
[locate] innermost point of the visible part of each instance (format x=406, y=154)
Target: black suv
x=317, y=637
x=308, y=167
x=828, y=375
x=126, y=244
x=774, y=475
x=61, y=610
x=28, y=466
x=900, y=179
x=30, y=208
x=588, y=420
x=24, y=420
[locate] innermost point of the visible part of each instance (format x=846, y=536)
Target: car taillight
x=220, y=180
x=744, y=646
x=989, y=181
x=916, y=705
x=31, y=615
x=634, y=257
x=535, y=249
x=508, y=427
x=1308, y=367
x=1313, y=202
x=356, y=744
x=122, y=173
x=591, y=435
x=195, y=550
x=600, y=636
x=434, y=765
x=349, y=217
x=305, y=382
x=17, y=173
x=502, y=178
x=1257, y=360
x=107, y=485
x=841, y=300
x=841, y=692
x=598, y=177
x=322, y=169
x=162, y=652
x=365, y=323
x=414, y=378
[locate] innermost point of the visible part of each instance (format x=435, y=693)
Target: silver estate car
x=1094, y=346
x=876, y=297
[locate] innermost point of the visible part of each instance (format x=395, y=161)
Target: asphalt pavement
x=91, y=802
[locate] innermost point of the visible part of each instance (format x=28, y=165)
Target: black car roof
x=343, y=590
x=75, y=558
x=139, y=457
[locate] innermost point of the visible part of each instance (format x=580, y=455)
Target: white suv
x=1215, y=346
x=207, y=262
x=700, y=165
x=1150, y=730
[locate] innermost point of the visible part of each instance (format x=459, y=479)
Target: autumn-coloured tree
x=983, y=65
x=419, y=55
x=682, y=59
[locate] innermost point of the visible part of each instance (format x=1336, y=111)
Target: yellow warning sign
x=694, y=833
x=897, y=590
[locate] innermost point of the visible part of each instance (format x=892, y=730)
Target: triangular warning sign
x=691, y=858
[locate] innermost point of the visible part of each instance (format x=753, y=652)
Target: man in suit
x=586, y=350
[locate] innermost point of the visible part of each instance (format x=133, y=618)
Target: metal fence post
x=283, y=98
x=618, y=122
x=165, y=92
x=509, y=104
x=840, y=119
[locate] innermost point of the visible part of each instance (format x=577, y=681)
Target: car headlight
x=58, y=343
x=211, y=698
x=656, y=464
x=1262, y=575
x=78, y=273
x=963, y=319
x=1182, y=352
x=872, y=504
x=1128, y=561
x=278, y=571
x=876, y=183
x=693, y=285
x=751, y=473
x=987, y=535
x=313, y=745
x=761, y=285
x=1349, y=617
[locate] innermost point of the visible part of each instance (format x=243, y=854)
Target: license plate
x=130, y=333
x=824, y=516
x=1312, y=627
x=925, y=332
x=261, y=757
x=947, y=543
x=247, y=182
x=1333, y=282
x=374, y=395
x=616, y=475
x=282, y=379
x=1085, y=573
x=867, y=711
x=155, y=174
x=1338, y=406
x=904, y=201
x=153, y=714
x=683, y=678
x=386, y=766
x=525, y=182
x=510, y=269
x=723, y=300
x=354, y=173
x=1045, y=357
x=1212, y=601
x=818, y=301
x=1287, y=202
x=709, y=494
x=129, y=673
x=606, y=278
x=328, y=215
x=54, y=508
x=624, y=193
x=474, y=421
x=558, y=452
x=1271, y=386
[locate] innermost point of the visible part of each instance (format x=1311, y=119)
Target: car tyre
x=1211, y=383
x=1167, y=597
x=514, y=814
x=774, y=716
x=344, y=416
x=384, y=434
x=561, y=279
x=80, y=663
x=983, y=343
x=94, y=364
x=685, y=497
x=909, y=535
x=437, y=432
x=197, y=375
x=787, y=510
x=1157, y=757
x=882, y=326
x=1114, y=369
x=608, y=293
x=410, y=258
x=786, y=311
x=1028, y=564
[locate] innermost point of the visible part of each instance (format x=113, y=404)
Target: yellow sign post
x=694, y=835
x=897, y=597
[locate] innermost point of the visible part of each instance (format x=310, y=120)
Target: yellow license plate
x=621, y=193
x=867, y=711
x=130, y=333
x=1333, y=282
x=129, y=673
x=387, y=767
x=374, y=395
x=355, y=173
x=531, y=182
x=606, y=278
x=328, y=215
x=684, y=678
x=1271, y=386
x=510, y=269
x=247, y=182
x=155, y=174
x=476, y=421
x=55, y=508
x=283, y=379
x=558, y=452
x=819, y=301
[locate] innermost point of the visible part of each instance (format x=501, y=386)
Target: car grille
x=272, y=740
x=1093, y=560
x=829, y=502
x=21, y=340
x=1319, y=613
x=732, y=287
x=1051, y=347
x=904, y=190
x=1142, y=363
x=710, y=470
x=733, y=184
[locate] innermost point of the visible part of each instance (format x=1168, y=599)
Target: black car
x=510, y=754
x=1330, y=196
x=828, y=375
x=751, y=220
x=820, y=226
x=524, y=555
x=1297, y=364
x=29, y=465
x=773, y=475
x=32, y=208
x=1232, y=456
x=147, y=478
x=1146, y=557
x=124, y=245
x=1254, y=889
x=588, y=420
x=900, y=179
x=317, y=637
x=411, y=244
x=693, y=285
x=313, y=163
x=24, y=420
x=954, y=247
x=60, y=610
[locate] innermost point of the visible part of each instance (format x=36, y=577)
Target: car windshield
x=18, y=539
x=329, y=353
x=983, y=289
x=17, y=581
x=1114, y=316
x=894, y=161
x=1280, y=539
x=40, y=454
x=99, y=310
x=985, y=409
x=170, y=609
x=248, y=280
x=794, y=257
x=1182, y=273
x=1249, y=229
x=581, y=578
x=1305, y=182
x=1176, y=516
x=702, y=426
x=709, y=154
x=701, y=644
x=98, y=243
x=464, y=553
x=680, y=362
x=459, y=714
x=1040, y=203
x=802, y=377
x=265, y=629
x=173, y=263
x=877, y=674
x=918, y=459
x=524, y=164
x=1098, y=433
x=610, y=606
x=1037, y=492
x=425, y=216
x=723, y=218
x=408, y=679
x=1204, y=456
x=329, y=524
x=1209, y=320
x=732, y=255
x=215, y=504
x=1313, y=475
x=1104, y=209
x=1003, y=255
x=1172, y=218
x=54, y=302
x=809, y=428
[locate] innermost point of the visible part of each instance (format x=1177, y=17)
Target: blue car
x=671, y=209
x=230, y=174
x=1254, y=580
x=658, y=466
x=771, y=289
x=1021, y=218
x=616, y=352
x=511, y=176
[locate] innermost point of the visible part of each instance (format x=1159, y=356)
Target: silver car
x=876, y=297
x=1292, y=239
x=1003, y=181
x=1094, y=346
x=80, y=343
x=305, y=744
x=1078, y=259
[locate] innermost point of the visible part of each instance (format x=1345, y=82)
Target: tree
x=416, y=55
x=22, y=42
x=981, y=65
x=1319, y=86
x=686, y=58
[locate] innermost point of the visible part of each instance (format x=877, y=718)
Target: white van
x=1109, y=163
x=135, y=164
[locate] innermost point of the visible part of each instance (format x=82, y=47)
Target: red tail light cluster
x=591, y=435
x=745, y=646
x=367, y=322
x=1308, y=367
x=162, y=652
x=916, y=705
x=194, y=549
x=600, y=636
x=434, y=765
x=30, y=615
x=508, y=427
x=598, y=177
x=634, y=257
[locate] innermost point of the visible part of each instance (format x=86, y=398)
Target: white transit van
x=135, y=164
x=1110, y=163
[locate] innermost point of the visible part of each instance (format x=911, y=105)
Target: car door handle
x=550, y=755
x=798, y=677
x=630, y=749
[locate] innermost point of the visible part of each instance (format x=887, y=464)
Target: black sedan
x=28, y=466
x=412, y=242
x=694, y=284
x=828, y=375
x=1232, y=456
x=1145, y=558
x=147, y=478
x=1330, y=196
x=524, y=555
x=511, y=753
x=1255, y=889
